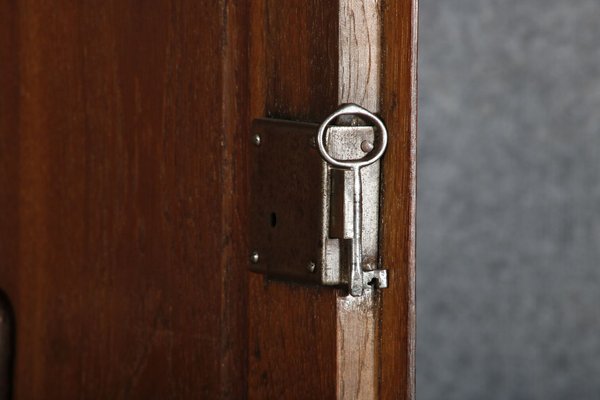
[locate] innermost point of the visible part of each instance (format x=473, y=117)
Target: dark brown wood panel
x=121, y=233
x=9, y=145
x=294, y=58
x=9, y=169
x=398, y=109
x=293, y=75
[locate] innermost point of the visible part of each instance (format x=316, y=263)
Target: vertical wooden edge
x=399, y=111
x=357, y=355
x=9, y=144
x=235, y=125
x=9, y=170
x=359, y=82
x=257, y=95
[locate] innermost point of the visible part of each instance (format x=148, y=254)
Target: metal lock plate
x=285, y=213
x=302, y=207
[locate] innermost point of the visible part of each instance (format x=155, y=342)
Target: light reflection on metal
x=315, y=200
x=358, y=279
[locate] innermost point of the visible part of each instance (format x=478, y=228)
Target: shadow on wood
x=6, y=346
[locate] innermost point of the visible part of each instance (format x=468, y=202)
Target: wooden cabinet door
x=124, y=140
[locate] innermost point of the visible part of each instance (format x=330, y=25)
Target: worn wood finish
x=398, y=109
x=360, y=53
x=359, y=76
x=122, y=197
x=293, y=73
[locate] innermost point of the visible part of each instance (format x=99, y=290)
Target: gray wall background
x=508, y=240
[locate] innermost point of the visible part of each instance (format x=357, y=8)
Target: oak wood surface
x=120, y=200
x=359, y=68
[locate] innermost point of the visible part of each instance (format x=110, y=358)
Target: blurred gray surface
x=508, y=240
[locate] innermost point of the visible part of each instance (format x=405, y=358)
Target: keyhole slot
x=273, y=219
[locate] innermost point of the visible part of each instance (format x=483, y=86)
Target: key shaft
x=356, y=271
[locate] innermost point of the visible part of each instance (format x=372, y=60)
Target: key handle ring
x=378, y=147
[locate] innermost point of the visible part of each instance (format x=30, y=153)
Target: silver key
x=358, y=277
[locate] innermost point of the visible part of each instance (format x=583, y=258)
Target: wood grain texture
x=399, y=111
x=360, y=53
x=357, y=350
x=293, y=75
x=120, y=235
x=358, y=80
